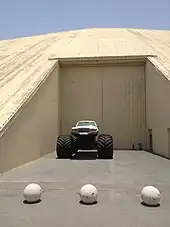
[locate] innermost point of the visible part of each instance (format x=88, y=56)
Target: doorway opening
x=150, y=140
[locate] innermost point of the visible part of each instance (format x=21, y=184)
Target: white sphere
x=88, y=194
x=32, y=192
x=150, y=195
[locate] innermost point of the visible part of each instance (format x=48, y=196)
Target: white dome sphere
x=150, y=195
x=88, y=194
x=32, y=192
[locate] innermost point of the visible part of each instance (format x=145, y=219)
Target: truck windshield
x=86, y=123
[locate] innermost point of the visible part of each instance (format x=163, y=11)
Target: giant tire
x=105, y=146
x=64, y=146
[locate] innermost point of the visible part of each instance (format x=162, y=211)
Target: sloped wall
x=158, y=108
x=33, y=133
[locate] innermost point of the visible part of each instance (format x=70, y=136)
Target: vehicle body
x=85, y=127
x=84, y=136
x=85, y=132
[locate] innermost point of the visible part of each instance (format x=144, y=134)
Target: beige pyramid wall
x=31, y=134
x=24, y=63
x=158, y=109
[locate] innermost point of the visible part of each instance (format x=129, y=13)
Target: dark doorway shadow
x=106, y=158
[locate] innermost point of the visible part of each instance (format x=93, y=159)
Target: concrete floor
x=119, y=182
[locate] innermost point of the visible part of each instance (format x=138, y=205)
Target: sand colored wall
x=158, y=109
x=59, y=103
x=33, y=133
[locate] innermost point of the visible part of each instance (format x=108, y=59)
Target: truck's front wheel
x=105, y=146
x=64, y=146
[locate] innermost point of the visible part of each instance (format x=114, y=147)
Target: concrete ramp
x=119, y=182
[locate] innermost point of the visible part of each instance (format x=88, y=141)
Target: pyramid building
x=118, y=77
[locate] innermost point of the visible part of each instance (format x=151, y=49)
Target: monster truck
x=84, y=136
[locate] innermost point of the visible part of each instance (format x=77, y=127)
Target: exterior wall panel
x=158, y=109
x=113, y=96
x=124, y=106
x=33, y=133
x=81, y=95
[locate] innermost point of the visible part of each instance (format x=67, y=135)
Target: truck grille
x=83, y=130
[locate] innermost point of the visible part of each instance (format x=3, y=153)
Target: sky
x=20, y=18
